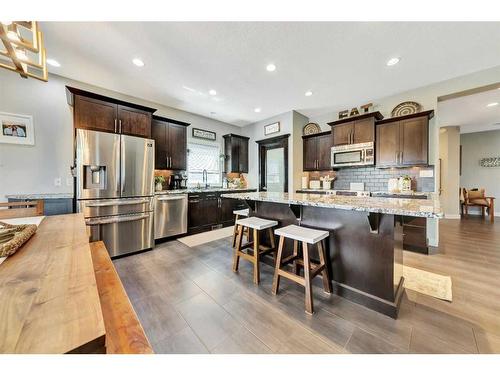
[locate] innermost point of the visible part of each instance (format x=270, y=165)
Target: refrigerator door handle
x=171, y=198
x=114, y=220
x=122, y=164
x=118, y=203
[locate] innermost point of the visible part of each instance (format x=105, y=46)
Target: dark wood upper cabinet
x=132, y=121
x=403, y=141
x=170, y=143
x=317, y=151
x=358, y=129
x=236, y=153
x=94, y=114
x=101, y=113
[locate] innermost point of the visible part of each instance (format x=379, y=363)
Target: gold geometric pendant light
x=23, y=50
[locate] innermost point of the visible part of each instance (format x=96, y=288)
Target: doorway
x=273, y=164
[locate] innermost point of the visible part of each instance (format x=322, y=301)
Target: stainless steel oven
x=358, y=154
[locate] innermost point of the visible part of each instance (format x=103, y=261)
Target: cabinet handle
x=397, y=157
x=120, y=122
x=115, y=124
x=170, y=161
x=401, y=157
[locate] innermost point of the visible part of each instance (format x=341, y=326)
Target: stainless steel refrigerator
x=115, y=188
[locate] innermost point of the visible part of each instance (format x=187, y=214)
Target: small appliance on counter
x=178, y=181
x=393, y=185
x=315, y=184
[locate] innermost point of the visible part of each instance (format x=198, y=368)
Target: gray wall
x=32, y=169
x=476, y=146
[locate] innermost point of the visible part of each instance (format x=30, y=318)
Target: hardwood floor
x=190, y=301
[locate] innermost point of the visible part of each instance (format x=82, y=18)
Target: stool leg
x=327, y=286
x=235, y=231
x=256, y=267
x=296, y=254
x=273, y=244
x=237, y=249
x=276, y=277
x=248, y=234
x=307, y=278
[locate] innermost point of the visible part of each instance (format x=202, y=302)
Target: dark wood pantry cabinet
x=236, y=153
x=403, y=141
x=317, y=151
x=358, y=129
x=101, y=113
x=170, y=143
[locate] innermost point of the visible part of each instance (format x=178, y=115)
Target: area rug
x=201, y=238
x=428, y=283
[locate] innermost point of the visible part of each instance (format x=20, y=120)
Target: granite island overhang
x=365, y=246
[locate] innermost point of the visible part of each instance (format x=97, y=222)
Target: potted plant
x=159, y=181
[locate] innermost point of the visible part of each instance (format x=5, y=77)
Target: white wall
x=255, y=132
x=32, y=169
x=476, y=146
x=449, y=153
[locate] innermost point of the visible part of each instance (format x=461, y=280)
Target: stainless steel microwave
x=358, y=154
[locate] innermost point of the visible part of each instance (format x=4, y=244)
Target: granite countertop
x=396, y=206
x=40, y=196
x=195, y=190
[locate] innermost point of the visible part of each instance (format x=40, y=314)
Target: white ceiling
x=342, y=63
x=471, y=112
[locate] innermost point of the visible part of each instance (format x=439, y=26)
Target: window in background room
x=204, y=157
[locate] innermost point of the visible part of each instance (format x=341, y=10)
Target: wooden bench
x=124, y=332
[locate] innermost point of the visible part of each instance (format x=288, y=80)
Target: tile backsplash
x=376, y=179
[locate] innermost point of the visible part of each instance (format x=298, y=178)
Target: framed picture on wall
x=16, y=129
x=272, y=128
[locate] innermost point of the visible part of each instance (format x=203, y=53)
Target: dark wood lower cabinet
x=415, y=234
x=207, y=211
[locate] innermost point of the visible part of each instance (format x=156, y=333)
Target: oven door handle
x=119, y=203
x=115, y=220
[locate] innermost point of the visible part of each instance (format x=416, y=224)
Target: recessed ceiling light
x=138, y=62
x=212, y=92
x=494, y=104
x=53, y=62
x=271, y=67
x=393, y=61
x=257, y=110
x=308, y=93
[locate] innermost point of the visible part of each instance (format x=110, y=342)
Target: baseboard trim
x=497, y=214
x=451, y=216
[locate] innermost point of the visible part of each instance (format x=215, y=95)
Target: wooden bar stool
x=306, y=236
x=239, y=214
x=258, y=225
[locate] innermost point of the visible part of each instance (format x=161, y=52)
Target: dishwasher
x=170, y=216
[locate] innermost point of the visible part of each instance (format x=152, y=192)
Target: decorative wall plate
x=406, y=108
x=311, y=128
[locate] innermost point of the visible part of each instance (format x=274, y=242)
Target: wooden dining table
x=49, y=301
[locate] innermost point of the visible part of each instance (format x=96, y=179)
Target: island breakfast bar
x=365, y=246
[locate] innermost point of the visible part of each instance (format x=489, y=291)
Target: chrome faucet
x=205, y=178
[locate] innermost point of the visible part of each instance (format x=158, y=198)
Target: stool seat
x=244, y=212
x=302, y=234
x=256, y=223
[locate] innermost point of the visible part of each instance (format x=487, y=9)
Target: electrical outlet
x=57, y=181
x=426, y=173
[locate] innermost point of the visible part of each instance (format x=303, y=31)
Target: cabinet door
x=195, y=211
x=177, y=150
x=159, y=134
x=243, y=155
x=364, y=130
x=227, y=206
x=211, y=209
x=134, y=121
x=234, y=158
x=310, y=153
x=342, y=134
x=324, y=145
x=94, y=114
x=387, y=149
x=413, y=141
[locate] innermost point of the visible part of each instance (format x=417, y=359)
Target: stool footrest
x=298, y=279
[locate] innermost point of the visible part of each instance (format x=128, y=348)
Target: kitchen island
x=365, y=247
